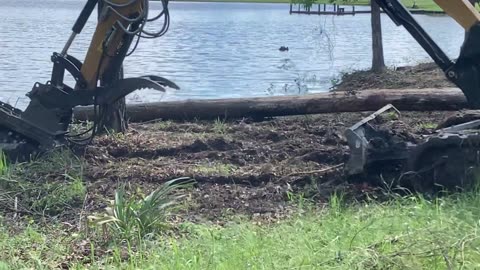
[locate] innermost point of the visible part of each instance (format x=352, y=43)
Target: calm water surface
x=214, y=50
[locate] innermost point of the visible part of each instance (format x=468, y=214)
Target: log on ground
x=330, y=102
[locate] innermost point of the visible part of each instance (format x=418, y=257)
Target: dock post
x=318, y=9
x=334, y=7
x=291, y=6
x=324, y=7
x=353, y=10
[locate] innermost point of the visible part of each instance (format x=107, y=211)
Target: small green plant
x=117, y=136
x=427, y=126
x=80, y=127
x=296, y=198
x=163, y=124
x=391, y=115
x=219, y=126
x=3, y=164
x=337, y=201
x=131, y=219
x=215, y=169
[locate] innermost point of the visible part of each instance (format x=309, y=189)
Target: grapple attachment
x=448, y=159
x=370, y=145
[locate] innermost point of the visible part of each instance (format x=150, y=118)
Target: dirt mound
x=426, y=75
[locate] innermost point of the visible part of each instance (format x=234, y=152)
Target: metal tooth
x=10, y=133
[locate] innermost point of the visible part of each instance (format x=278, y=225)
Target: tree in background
x=378, y=62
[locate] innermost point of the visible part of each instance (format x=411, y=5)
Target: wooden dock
x=321, y=9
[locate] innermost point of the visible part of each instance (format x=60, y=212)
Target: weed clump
x=131, y=219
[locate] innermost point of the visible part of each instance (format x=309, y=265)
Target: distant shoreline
x=421, y=10
x=423, y=6
x=236, y=1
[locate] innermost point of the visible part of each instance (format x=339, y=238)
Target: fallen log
x=330, y=102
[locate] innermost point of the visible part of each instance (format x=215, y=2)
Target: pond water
x=215, y=50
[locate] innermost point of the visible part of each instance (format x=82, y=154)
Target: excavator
x=45, y=123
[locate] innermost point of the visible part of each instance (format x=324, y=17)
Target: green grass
x=49, y=185
x=3, y=164
x=406, y=233
x=219, y=126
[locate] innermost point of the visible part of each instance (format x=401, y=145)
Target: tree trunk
x=449, y=99
x=114, y=115
x=378, y=63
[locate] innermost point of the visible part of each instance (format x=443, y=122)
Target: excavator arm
x=465, y=71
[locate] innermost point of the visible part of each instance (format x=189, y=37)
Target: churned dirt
x=256, y=169
x=426, y=75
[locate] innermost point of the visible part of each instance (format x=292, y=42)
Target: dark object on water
x=283, y=49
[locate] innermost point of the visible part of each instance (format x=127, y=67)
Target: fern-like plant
x=129, y=218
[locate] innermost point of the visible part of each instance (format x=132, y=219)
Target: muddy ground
x=425, y=75
x=256, y=169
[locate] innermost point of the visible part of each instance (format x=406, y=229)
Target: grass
x=3, y=164
x=405, y=233
x=409, y=232
x=46, y=186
